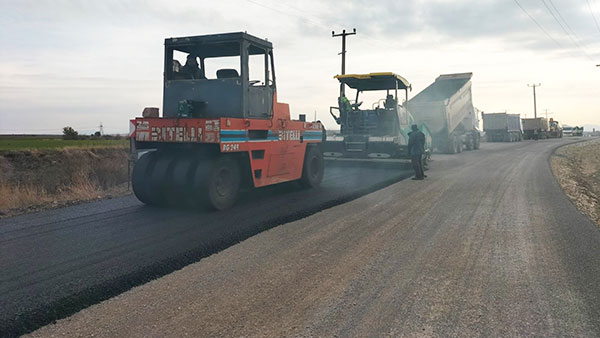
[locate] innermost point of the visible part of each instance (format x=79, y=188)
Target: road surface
x=57, y=262
x=488, y=246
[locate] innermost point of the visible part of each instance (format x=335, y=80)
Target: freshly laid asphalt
x=57, y=262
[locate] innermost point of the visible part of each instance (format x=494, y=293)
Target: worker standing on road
x=416, y=149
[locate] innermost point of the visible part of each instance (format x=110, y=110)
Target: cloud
x=102, y=60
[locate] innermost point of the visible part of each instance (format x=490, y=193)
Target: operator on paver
x=416, y=149
x=345, y=108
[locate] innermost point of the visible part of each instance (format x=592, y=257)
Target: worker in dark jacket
x=416, y=149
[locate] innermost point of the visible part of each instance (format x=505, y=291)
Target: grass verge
x=40, y=179
x=38, y=143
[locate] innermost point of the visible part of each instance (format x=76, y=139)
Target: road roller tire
x=159, y=179
x=313, y=168
x=140, y=176
x=217, y=182
x=179, y=191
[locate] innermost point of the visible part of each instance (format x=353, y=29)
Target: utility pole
x=546, y=111
x=343, y=34
x=534, y=103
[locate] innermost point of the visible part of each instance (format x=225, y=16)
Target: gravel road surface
x=487, y=246
x=57, y=262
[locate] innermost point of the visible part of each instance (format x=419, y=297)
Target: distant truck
x=446, y=108
x=572, y=131
x=555, y=129
x=568, y=130
x=535, y=128
x=502, y=127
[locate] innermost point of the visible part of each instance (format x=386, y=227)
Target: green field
x=22, y=143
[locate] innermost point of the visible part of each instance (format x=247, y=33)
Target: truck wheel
x=470, y=143
x=223, y=182
x=313, y=168
x=140, y=176
x=451, y=146
x=459, y=145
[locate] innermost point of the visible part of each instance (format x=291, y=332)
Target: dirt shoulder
x=577, y=170
x=32, y=180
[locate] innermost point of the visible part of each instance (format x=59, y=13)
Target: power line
x=563, y=19
x=593, y=16
x=537, y=23
x=316, y=21
x=563, y=27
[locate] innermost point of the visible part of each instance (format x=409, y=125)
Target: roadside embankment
x=577, y=170
x=46, y=178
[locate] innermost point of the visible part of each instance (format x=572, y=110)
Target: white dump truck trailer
x=502, y=127
x=535, y=128
x=446, y=108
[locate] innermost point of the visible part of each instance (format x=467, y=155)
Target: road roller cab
x=222, y=127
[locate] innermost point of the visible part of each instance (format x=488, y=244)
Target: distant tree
x=97, y=134
x=69, y=133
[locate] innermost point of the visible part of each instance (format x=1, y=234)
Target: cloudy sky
x=82, y=63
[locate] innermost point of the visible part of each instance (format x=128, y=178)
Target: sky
x=86, y=63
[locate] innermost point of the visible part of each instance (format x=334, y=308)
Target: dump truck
x=535, y=128
x=222, y=128
x=502, y=127
x=554, y=129
x=378, y=131
x=446, y=108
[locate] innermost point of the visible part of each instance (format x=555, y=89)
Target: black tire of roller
x=139, y=177
x=160, y=179
x=313, y=167
x=217, y=182
x=477, y=141
x=180, y=191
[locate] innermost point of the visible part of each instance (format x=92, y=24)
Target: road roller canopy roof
x=216, y=45
x=374, y=81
